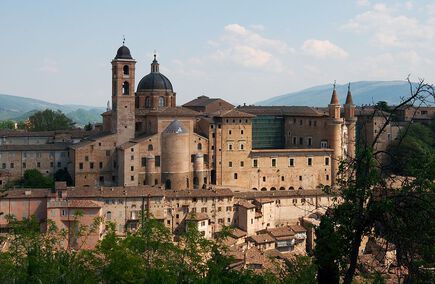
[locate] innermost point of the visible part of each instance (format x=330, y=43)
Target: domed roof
x=154, y=80
x=123, y=53
x=175, y=127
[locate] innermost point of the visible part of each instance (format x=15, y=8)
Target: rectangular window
x=327, y=177
x=81, y=166
x=300, y=178
x=230, y=164
x=230, y=146
x=144, y=162
x=242, y=164
x=291, y=162
x=132, y=178
x=310, y=161
x=241, y=132
x=59, y=164
x=51, y=164
x=310, y=141
x=86, y=158
x=235, y=175
x=255, y=163
x=294, y=140
x=24, y=165
x=204, y=210
x=38, y=165
x=100, y=165
x=91, y=165
x=273, y=162
x=107, y=153
x=229, y=132
x=301, y=140
x=4, y=166
x=132, y=168
x=327, y=161
x=157, y=161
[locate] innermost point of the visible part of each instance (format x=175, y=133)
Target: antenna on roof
x=123, y=39
x=155, y=54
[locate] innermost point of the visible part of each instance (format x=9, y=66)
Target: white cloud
x=249, y=49
x=49, y=66
x=323, y=49
x=389, y=26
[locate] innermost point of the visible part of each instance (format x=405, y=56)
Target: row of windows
x=291, y=162
x=28, y=154
x=230, y=132
x=309, y=141
x=231, y=146
x=301, y=122
x=24, y=165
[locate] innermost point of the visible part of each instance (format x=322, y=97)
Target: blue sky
x=242, y=51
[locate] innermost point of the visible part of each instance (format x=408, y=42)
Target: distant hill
x=363, y=92
x=20, y=108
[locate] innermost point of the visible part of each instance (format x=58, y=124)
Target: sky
x=241, y=51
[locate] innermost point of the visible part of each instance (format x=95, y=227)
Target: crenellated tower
x=123, y=110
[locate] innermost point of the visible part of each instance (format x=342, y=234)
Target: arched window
x=109, y=215
x=235, y=175
x=126, y=70
x=272, y=188
x=282, y=188
x=147, y=102
x=161, y=101
x=300, y=188
x=150, y=147
x=254, y=188
x=291, y=188
x=263, y=189
x=125, y=88
x=199, y=146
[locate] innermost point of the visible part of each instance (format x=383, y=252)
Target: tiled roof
x=188, y=193
x=264, y=200
x=262, y=238
x=280, y=193
x=232, y=113
x=75, y=133
x=196, y=216
x=118, y=191
x=27, y=193
x=280, y=232
x=283, y=110
x=238, y=233
x=36, y=147
x=245, y=203
x=91, y=139
x=201, y=101
x=298, y=229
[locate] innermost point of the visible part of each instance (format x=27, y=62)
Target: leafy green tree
x=48, y=120
x=35, y=179
x=7, y=124
x=88, y=127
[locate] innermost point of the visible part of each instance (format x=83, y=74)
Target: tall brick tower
x=350, y=120
x=334, y=130
x=123, y=118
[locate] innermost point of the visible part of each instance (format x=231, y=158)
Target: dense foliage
x=148, y=255
x=47, y=120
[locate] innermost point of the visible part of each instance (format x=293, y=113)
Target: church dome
x=175, y=127
x=154, y=80
x=123, y=53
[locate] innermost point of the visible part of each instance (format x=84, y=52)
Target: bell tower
x=123, y=99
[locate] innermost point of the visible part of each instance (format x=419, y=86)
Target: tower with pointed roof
x=335, y=133
x=350, y=122
x=123, y=109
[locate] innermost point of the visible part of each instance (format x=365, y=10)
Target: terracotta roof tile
x=283, y=110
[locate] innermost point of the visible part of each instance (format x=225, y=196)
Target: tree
x=370, y=206
x=7, y=124
x=88, y=127
x=48, y=120
x=35, y=179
